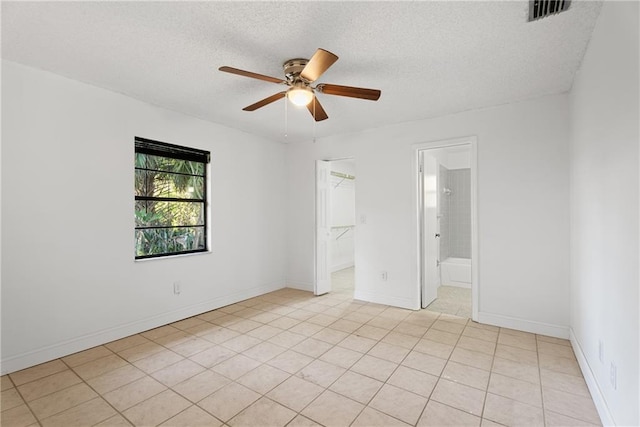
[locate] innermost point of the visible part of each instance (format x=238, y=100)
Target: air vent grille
x=539, y=9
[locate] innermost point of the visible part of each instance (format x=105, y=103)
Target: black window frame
x=164, y=149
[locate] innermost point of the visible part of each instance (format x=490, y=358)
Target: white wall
x=604, y=212
x=342, y=213
x=523, y=185
x=69, y=279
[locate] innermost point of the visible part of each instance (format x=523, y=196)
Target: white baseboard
x=302, y=286
x=74, y=345
x=524, y=325
x=596, y=394
x=408, y=303
x=342, y=266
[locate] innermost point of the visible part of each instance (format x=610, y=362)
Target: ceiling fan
x=299, y=75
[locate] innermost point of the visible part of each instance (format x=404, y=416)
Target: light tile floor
x=342, y=281
x=289, y=358
x=452, y=300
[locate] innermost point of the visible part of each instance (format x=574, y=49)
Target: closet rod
x=342, y=175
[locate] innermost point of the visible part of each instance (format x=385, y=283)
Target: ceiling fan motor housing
x=293, y=68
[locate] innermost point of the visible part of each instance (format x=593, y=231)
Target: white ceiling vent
x=539, y=9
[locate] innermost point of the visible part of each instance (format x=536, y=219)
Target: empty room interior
x=320, y=213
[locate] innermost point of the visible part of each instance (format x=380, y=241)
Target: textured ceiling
x=428, y=58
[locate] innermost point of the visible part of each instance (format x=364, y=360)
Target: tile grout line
x=264, y=395
x=66, y=388
x=346, y=370
x=443, y=368
x=400, y=364
x=393, y=372
x=149, y=374
x=544, y=414
x=299, y=413
x=493, y=361
x=25, y=400
x=96, y=391
x=328, y=387
x=440, y=377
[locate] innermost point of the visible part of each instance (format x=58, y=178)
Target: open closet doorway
x=447, y=224
x=335, y=226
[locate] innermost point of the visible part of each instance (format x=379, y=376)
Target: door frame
x=472, y=141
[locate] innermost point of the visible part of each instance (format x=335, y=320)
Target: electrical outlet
x=601, y=351
x=613, y=376
x=177, y=288
x=383, y=275
x=363, y=219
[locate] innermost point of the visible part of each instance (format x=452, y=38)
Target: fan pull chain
x=286, y=118
x=314, y=118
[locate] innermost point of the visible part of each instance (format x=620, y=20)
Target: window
x=170, y=199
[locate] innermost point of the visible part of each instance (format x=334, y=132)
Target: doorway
x=335, y=226
x=447, y=226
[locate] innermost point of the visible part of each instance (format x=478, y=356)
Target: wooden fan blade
x=318, y=64
x=316, y=110
x=265, y=101
x=250, y=74
x=353, y=92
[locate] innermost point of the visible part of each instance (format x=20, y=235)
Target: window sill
x=158, y=258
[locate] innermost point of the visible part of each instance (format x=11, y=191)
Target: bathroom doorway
x=447, y=226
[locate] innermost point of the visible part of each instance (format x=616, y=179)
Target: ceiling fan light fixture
x=300, y=95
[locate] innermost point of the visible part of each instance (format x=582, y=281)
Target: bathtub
x=456, y=272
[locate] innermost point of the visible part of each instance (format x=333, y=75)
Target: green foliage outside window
x=170, y=205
